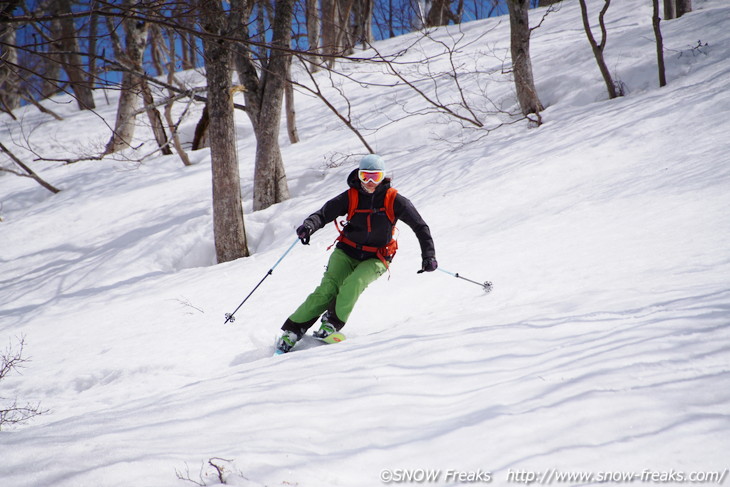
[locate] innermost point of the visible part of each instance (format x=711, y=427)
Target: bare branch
x=346, y=119
x=12, y=414
x=30, y=173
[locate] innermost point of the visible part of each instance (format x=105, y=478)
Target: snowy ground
x=604, y=348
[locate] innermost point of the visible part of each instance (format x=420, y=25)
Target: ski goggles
x=374, y=176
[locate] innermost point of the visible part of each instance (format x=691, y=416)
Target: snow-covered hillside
x=603, y=349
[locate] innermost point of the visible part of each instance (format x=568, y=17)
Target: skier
x=364, y=249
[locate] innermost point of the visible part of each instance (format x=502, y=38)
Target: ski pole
x=486, y=285
x=229, y=316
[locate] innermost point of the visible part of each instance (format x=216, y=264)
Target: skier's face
x=369, y=186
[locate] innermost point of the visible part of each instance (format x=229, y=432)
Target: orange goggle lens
x=374, y=176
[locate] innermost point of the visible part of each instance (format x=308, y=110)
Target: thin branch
x=28, y=170
x=433, y=102
x=11, y=360
x=316, y=91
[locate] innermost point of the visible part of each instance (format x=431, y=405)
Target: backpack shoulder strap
x=352, y=195
x=390, y=203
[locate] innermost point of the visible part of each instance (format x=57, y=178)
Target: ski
x=335, y=337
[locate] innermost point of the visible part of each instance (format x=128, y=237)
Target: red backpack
x=383, y=253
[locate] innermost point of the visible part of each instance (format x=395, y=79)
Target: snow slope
x=602, y=350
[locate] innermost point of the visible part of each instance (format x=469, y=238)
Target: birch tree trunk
x=313, y=34
x=228, y=227
x=72, y=61
x=344, y=36
x=9, y=81
x=521, y=63
x=270, y=184
x=683, y=7
x=291, y=113
x=364, y=22
x=329, y=28
x=439, y=13
x=338, y=37
x=135, y=40
x=153, y=114
x=92, y=72
x=51, y=61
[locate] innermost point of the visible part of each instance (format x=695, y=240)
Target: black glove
x=429, y=264
x=304, y=232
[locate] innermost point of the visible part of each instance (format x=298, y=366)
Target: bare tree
x=521, y=63
x=169, y=104
x=291, y=117
x=659, y=44
x=9, y=93
x=45, y=59
x=599, y=47
x=270, y=184
x=135, y=39
x=264, y=99
x=158, y=48
x=338, y=37
x=673, y=9
x=683, y=7
x=362, y=24
x=314, y=26
x=440, y=13
x=153, y=114
x=228, y=226
x=69, y=46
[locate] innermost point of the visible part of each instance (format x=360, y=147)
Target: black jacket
x=381, y=230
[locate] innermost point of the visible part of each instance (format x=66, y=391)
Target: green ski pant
x=342, y=283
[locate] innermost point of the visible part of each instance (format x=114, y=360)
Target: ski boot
x=325, y=329
x=286, y=342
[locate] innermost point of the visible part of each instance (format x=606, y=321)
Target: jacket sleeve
x=335, y=207
x=404, y=210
